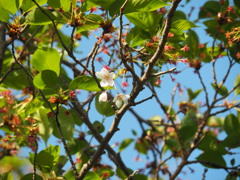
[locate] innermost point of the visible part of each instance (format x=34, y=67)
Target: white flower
x=103, y=97
x=106, y=77
x=120, y=99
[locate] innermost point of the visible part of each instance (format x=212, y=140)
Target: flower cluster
x=107, y=80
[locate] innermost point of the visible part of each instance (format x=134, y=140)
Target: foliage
x=48, y=87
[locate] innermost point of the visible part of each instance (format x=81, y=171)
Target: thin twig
x=35, y=160
x=132, y=175
x=204, y=173
x=164, y=72
x=64, y=141
x=146, y=99
x=56, y=117
x=204, y=88
x=70, y=53
x=124, y=61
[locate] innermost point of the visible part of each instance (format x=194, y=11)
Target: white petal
x=118, y=103
x=100, y=75
x=103, y=97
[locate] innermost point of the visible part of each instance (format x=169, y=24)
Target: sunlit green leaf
x=92, y=175
x=11, y=5
x=147, y=21
x=183, y=25
x=69, y=175
x=237, y=83
x=46, y=59
x=4, y=16
x=137, y=6
x=105, y=4
x=6, y=176
x=46, y=159
x=28, y=5
x=60, y=4
x=45, y=127
x=30, y=177
x=37, y=17
x=179, y=15
x=215, y=121
x=84, y=82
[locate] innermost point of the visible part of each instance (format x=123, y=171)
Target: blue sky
x=150, y=108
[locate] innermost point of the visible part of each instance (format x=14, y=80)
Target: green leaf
x=77, y=145
x=210, y=8
x=30, y=177
x=125, y=143
x=45, y=127
x=62, y=160
x=232, y=140
x=237, y=83
x=189, y=126
x=137, y=6
x=98, y=126
x=46, y=79
x=69, y=175
x=140, y=177
x=103, y=108
x=91, y=176
x=137, y=36
x=223, y=91
x=231, y=124
x=215, y=121
x=192, y=41
x=231, y=177
x=183, y=25
x=6, y=176
x=212, y=160
x=37, y=17
x=237, y=3
x=121, y=174
x=46, y=58
x=179, y=15
x=211, y=143
x=147, y=21
x=84, y=82
x=57, y=4
x=4, y=16
x=232, y=161
x=105, y=4
x=142, y=146
x=11, y=5
x=21, y=82
x=93, y=18
x=66, y=122
x=28, y=5
x=44, y=161
x=192, y=95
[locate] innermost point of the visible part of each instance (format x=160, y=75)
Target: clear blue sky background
x=150, y=108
